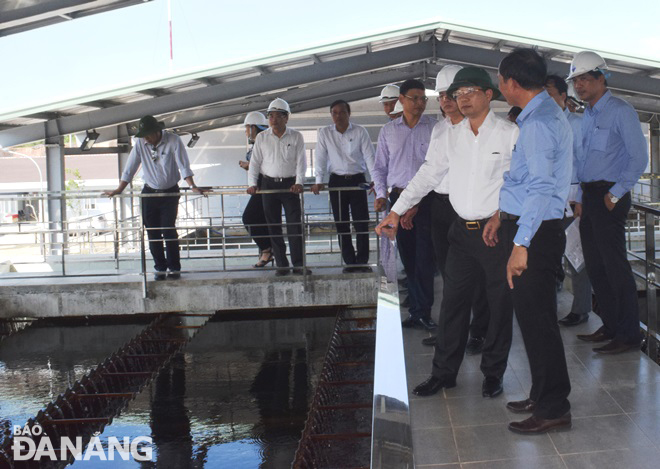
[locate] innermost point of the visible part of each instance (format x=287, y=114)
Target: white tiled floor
x=615, y=406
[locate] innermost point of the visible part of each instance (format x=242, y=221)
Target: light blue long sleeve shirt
x=575, y=121
x=536, y=186
x=614, y=146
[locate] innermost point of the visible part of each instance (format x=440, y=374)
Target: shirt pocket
x=288, y=152
x=492, y=165
x=599, y=139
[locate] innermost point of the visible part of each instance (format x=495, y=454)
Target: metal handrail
x=651, y=326
x=128, y=235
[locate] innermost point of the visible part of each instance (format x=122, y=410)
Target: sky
x=131, y=44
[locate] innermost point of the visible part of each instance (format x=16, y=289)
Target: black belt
x=596, y=185
x=268, y=178
x=473, y=224
x=151, y=190
x=346, y=176
x=439, y=196
x=508, y=216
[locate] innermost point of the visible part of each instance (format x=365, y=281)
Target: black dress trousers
x=159, y=217
x=535, y=304
x=442, y=216
x=255, y=222
x=603, y=234
x=346, y=204
x=273, y=204
x=469, y=258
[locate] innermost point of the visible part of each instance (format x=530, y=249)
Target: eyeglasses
x=417, y=99
x=154, y=154
x=444, y=97
x=465, y=92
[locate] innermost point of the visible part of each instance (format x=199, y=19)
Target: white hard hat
x=446, y=77
x=398, y=107
x=586, y=61
x=256, y=118
x=279, y=105
x=389, y=93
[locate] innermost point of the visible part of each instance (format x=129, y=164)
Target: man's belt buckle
x=472, y=225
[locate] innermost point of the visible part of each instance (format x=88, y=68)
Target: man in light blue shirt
x=615, y=156
x=581, y=286
x=532, y=202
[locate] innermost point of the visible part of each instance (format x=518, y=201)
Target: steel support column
x=56, y=205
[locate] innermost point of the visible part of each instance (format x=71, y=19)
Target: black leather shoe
x=349, y=270
x=282, y=272
x=366, y=269
x=521, y=407
x=598, y=336
x=572, y=319
x=405, y=303
x=301, y=271
x=409, y=322
x=491, y=387
x=429, y=340
x=616, y=346
x=427, y=323
x=433, y=385
x=474, y=346
x=174, y=275
x=158, y=276
x=535, y=425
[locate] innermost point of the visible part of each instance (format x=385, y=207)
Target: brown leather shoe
x=598, y=336
x=521, y=407
x=535, y=425
x=616, y=346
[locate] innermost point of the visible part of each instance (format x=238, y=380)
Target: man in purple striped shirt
x=402, y=146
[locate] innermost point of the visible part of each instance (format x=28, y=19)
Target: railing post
x=651, y=300
x=143, y=256
x=116, y=233
x=304, y=242
x=224, y=250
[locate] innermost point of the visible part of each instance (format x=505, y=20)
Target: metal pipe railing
x=124, y=239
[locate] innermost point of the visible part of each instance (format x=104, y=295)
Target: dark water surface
x=237, y=397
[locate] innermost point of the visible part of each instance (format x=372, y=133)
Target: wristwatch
x=614, y=199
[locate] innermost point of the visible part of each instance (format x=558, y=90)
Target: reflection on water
x=237, y=397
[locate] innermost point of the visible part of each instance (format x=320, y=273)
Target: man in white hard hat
x=389, y=96
x=164, y=162
x=254, y=218
x=443, y=214
x=279, y=157
x=344, y=152
x=615, y=156
x=402, y=146
x=581, y=287
x=469, y=159
x=529, y=226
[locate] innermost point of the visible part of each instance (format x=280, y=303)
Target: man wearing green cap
x=473, y=155
x=164, y=161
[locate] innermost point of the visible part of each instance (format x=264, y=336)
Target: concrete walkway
x=615, y=406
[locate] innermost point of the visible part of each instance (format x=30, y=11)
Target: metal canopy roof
x=312, y=79
x=17, y=16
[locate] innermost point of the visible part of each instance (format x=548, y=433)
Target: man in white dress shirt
x=443, y=214
x=279, y=156
x=345, y=151
x=473, y=155
x=164, y=162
